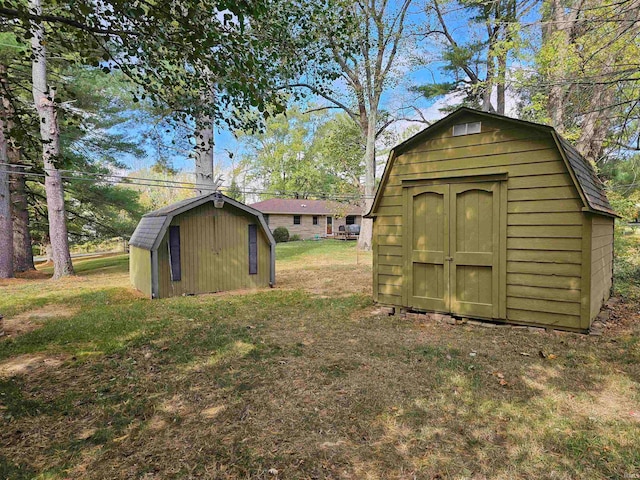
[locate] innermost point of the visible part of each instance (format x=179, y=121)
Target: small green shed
x=205, y=244
x=489, y=217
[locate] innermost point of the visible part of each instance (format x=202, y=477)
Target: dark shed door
x=253, y=249
x=174, y=253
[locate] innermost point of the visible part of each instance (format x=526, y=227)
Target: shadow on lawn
x=314, y=386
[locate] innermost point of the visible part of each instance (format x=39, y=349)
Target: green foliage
x=281, y=234
x=153, y=197
x=246, y=52
x=295, y=238
x=307, y=154
x=234, y=191
x=434, y=90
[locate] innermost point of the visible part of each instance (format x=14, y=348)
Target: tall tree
x=475, y=61
x=306, y=155
x=6, y=229
x=44, y=101
x=365, y=62
x=587, y=71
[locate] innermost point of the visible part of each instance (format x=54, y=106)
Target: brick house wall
x=307, y=230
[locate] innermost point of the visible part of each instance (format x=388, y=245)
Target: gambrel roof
x=153, y=225
x=586, y=181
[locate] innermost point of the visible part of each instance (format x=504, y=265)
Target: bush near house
x=281, y=234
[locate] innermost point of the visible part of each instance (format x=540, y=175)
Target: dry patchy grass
x=307, y=381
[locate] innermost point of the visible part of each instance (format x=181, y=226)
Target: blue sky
x=394, y=99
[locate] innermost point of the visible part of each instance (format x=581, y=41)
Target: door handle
x=448, y=259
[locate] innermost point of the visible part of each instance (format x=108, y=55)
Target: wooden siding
x=544, y=219
x=214, y=246
x=601, y=262
x=140, y=269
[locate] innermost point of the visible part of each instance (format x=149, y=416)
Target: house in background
x=490, y=217
x=205, y=244
x=309, y=218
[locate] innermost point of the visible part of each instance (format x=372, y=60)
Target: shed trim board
x=508, y=223
x=154, y=225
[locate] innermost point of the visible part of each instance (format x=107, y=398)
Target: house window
x=253, y=249
x=315, y=219
x=174, y=253
x=466, y=128
x=350, y=220
x=296, y=219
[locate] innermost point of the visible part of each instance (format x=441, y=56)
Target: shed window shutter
x=253, y=249
x=174, y=253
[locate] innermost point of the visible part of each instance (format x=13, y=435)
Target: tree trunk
x=22, y=250
x=366, y=228
x=488, y=84
x=556, y=30
x=43, y=98
x=203, y=153
x=6, y=230
x=502, y=80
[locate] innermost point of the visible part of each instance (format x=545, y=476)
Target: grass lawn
x=306, y=380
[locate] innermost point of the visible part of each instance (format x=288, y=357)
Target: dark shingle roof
x=589, y=182
x=147, y=231
x=306, y=207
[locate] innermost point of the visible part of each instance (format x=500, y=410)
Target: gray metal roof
x=147, y=231
x=152, y=225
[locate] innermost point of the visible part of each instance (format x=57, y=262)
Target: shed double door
x=452, y=256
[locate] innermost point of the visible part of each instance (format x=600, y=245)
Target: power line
x=151, y=182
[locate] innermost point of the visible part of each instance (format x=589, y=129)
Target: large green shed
x=205, y=244
x=489, y=217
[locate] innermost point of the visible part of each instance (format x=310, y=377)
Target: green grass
x=304, y=378
x=294, y=250
x=627, y=265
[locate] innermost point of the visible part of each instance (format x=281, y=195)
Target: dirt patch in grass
x=29, y=364
x=33, y=275
x=33, y=319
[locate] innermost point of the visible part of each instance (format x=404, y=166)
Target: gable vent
x=466, y=128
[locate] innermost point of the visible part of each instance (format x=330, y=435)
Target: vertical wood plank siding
x=140, y=269
x=601, y=262
x=214, y=253
x=544, y=219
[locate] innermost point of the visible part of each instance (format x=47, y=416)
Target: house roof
x=582, y=172
x=294, y=206
x=153, y=225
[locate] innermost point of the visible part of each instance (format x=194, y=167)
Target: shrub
x=281, y=234
x=294, y=238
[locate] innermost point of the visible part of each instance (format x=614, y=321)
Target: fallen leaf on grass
x=525, y=354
